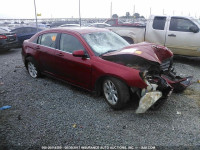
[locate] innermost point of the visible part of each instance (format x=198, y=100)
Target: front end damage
x=155, y=65
x=155, y=94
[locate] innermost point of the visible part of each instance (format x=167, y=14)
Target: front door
x=180, y=39
x=74, y=69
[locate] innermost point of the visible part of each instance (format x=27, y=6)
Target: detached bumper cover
x=148, y=100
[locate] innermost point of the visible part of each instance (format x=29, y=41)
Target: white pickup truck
x=180, y=34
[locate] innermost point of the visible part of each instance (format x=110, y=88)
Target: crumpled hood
x=148, y=51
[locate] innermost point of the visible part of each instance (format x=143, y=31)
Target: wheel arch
x=99, y=82
x=128, y=39
x=27, y=57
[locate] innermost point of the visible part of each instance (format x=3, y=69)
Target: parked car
x=58, y=23
x=7, y=29
x=99, y=25
x=24, y=33
x=100, y=60
x=69, y=25
x=180, y=34
x=117, y=23
x=8, y=40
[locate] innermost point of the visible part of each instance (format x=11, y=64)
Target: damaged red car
x=100, y=60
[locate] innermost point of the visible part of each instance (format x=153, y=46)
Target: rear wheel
x=32, y=68
x=115, y=92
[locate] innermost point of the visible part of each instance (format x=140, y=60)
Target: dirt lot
x=47, y=112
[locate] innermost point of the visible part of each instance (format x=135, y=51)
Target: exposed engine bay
x=156, y=71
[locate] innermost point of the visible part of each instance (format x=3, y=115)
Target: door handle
x=60, y=54
x=172, y=35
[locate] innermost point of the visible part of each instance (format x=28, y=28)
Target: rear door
x=74, y=69
x=46, y=47
x=180, y=39
x=156, y=30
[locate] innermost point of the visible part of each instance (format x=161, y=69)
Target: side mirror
x=79, y=53
x=194, y=29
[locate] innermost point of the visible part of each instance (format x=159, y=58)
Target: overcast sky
x=96, y=8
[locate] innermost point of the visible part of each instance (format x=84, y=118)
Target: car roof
x=80, y=30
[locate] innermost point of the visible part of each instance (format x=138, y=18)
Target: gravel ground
x=47, y=112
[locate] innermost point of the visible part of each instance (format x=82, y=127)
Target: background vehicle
x=59, y=23
x=5, y=29
x=100, y=60
x=99, y=25
x=24, y=33
x=70, y=25
x=180, y=34
x=117, y=23
x=7, y=40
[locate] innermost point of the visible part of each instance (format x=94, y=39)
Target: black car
x=8, y=40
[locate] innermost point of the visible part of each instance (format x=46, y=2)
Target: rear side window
x=69, y=43
x=180, y=24
x=49, y=40
x=159, y=23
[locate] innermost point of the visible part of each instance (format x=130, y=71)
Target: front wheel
x=116, y=93
x=32, y=68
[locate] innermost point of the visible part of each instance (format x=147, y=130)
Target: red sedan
x=100, y=60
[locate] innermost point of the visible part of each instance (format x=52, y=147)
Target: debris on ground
x=19, y=117
x=178, y=113
x=192, y=94
x=5, y=107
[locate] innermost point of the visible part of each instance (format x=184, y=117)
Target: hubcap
x=32, y=70
x=110, y=92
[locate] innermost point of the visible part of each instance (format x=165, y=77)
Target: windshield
x=103, y=42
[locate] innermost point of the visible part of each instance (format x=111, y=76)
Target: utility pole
x=150, y=10
x=111, y=9
x=163, y=11
x=133, y=9
x=36, y=15
x=80, y=13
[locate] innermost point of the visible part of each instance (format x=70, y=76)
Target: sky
x=24, y=9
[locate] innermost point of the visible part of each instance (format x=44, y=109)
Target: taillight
x=3, y=37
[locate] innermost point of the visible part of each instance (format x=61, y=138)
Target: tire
x=32, y=68
x=116, y=93
x=128, y=39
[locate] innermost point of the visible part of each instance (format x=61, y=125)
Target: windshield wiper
x=107, y=52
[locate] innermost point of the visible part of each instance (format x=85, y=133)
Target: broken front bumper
x=178, y=83
x=153, y=93
x=148, y=100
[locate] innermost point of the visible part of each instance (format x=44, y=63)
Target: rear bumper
x=9, y=45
